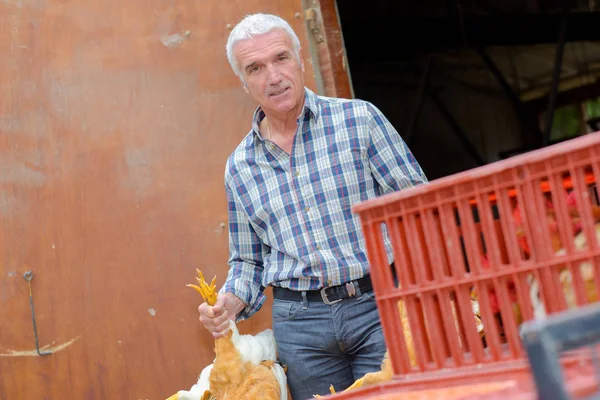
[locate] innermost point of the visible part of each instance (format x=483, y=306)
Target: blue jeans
x=325, y=345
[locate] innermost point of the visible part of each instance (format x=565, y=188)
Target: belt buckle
x=325, y=299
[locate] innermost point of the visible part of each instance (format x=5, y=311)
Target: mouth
x=279, y=92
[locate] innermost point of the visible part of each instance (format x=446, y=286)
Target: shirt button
x=318, y=247
x=307, y=209
x=329, y=282
x=297, y=173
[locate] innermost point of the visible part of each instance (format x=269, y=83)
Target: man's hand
x=216, y=318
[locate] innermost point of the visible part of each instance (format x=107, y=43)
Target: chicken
x=518, y=220
x=200, y=390
x=557, y=246
x=245, y=366
x=571, y=203
x=586, y=269
x=493, y=299
x=384, y=375
x=386, y=372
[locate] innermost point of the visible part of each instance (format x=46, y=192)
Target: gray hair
x=258, y=24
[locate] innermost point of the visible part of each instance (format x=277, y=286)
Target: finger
x=215, y=321
x=221, y=330
x=217, y=328
x=206, y=310
x=220, y=304
x=218, y=335
x=218, y=309
x=221, y=319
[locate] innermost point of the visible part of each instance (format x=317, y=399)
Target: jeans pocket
x=286, y=310
x=367, y=296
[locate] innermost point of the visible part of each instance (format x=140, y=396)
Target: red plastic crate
x=491, y=383
x=494, y=234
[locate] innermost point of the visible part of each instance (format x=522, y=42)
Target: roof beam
x=571, y=96
x=372, y=38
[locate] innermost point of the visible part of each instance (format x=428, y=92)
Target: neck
x=284, y=123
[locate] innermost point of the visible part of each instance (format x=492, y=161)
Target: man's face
x=273, y=76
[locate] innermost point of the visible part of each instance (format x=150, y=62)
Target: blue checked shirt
x=290, y=218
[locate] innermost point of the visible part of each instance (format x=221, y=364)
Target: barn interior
x=469, y=82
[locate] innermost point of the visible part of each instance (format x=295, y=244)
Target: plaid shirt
x=290, y=218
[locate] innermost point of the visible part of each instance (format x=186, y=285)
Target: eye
x=253, y=69
x=283, y=57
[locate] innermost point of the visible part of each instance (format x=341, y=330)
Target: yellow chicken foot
x=208, y=292
x=357, y=384
x=331, y=391
x=207, y=395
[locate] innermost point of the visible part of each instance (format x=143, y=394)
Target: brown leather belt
x=328, y=295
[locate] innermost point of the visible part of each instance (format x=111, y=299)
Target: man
x=290, y=187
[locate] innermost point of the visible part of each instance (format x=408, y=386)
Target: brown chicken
x=371, y=378
x=585, y=268
x=244, y=368
x=586, y=271
x=386, y=373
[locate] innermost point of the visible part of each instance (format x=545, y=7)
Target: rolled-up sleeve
x=392, y=163
x=246, y=255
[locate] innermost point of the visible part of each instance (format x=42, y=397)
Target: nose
x=273, y=74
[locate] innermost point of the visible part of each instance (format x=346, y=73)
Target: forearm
x=246, y=255
x=235, y=304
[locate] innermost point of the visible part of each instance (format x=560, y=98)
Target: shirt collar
x=311, y=105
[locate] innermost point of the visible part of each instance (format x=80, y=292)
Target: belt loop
x=357, y=288
x=304, y=300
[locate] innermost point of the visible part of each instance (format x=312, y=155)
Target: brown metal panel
x=116, y=118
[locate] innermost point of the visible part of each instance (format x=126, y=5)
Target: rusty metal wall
x=116, y=118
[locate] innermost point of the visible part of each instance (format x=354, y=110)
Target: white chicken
x=245, y=366
x=200, y=390
x=586, y=269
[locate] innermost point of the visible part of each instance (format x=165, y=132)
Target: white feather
x=196, y=391
x=539, y=312
x=281, y=378
x=257, y=348
x=253, y=349
x=580, y=241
